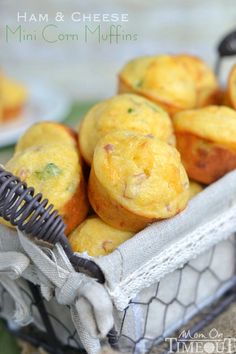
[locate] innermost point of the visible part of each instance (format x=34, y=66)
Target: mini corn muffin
x=135, y=180
x=205, y=80
x=162, y=79
x=14, y=96
x=45, y=132
x=123, y=112
x=206, y=139
x=194, y=189
x=54, y=170
x=96, y=238
x=230, y=95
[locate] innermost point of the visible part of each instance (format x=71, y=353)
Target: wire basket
x=179, y=268
x=200, y=289
x=171, y=303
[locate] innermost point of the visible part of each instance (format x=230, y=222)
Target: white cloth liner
x=165, y=246
x=90, y=305
x=145, y=259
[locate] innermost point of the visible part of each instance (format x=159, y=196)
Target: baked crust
x=205, y=98
x=207, y=86
x=96, y=237
x=176, y=82
x=124, y=87
x=53, y=166
x=47, y=132
x=136, y=180
x=76, y=209
x=123, y=112
x=213, y=123
x=204, y=160
x=162, y=79
x=112, y=212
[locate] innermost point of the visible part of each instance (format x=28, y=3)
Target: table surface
x=77, y=112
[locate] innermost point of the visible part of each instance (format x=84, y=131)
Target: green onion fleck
x=130, y=110
x=50, y=170
x=139, y=83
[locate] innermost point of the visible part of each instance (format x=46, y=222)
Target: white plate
x=44, y=103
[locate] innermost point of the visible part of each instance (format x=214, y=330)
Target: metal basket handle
x=225, y=48
x=36, y=217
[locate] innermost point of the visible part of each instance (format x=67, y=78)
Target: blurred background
x=88, y=70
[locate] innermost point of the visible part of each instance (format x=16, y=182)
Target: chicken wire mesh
x=166, y=306
x=151, y=317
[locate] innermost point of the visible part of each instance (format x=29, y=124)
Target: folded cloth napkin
x=12, y=266
x=90, y=305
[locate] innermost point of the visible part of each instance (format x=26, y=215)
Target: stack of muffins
x=130, y=163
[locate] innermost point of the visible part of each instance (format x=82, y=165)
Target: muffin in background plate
x=13, y=98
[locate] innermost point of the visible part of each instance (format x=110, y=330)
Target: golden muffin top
x=123, y=112
x=97, y=238
x=44, y=133
x=13, y=93
x=52, y=170
x=198, y=69
x=142, y=173
x=204, y=78
x=215, y=123
x=162, y=78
